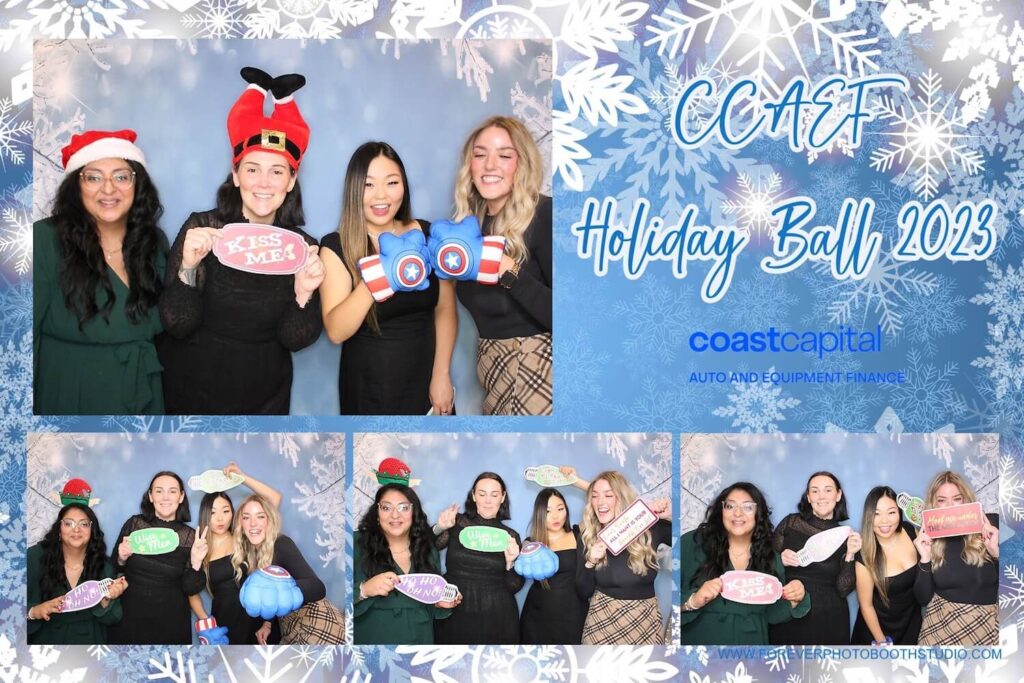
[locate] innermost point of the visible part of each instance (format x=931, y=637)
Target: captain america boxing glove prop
x=459, y=251
x=402, y=265
x=211, y=634
x=270, y=592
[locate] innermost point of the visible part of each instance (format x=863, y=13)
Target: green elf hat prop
x=394, y=471
x=75, y=492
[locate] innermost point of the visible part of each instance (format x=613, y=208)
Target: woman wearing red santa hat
x=233, y=332
x=98, y=270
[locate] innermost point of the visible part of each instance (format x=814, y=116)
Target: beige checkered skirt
x=622, y=622
x=956, y=623
x=516, y=375
x=315, y=623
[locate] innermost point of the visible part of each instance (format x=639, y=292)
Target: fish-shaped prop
x=751, y=588
x=86, y=595
x=549, y=475
x=485, y=539
x=822, y=545
x=153, y=541
x=427, y=588
x=912, y=507
x=214, y=481
x=536, y=561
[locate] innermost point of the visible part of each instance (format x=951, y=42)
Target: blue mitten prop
x=536, y=561
x=402, y=265
x=459, y=251
x=211, y=634
x=270, y=592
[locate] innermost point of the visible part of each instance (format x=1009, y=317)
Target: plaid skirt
x=622, y=622
x=955, y=623
x=315, y=623
x=516, y=375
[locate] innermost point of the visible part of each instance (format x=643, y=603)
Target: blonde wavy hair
x=974, y=553
x=515, y=216
x=641, y=555
x=254, y=557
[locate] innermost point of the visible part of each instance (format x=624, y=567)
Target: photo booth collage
x=518, y=340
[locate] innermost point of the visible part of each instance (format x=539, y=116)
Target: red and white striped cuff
x=375, y=279
x=205, y=624
x=490, y=260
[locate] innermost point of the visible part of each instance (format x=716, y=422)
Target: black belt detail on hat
x=257, y=140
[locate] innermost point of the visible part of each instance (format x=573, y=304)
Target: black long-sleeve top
x=956, y=580
x=461, y=562
x=524, y=309
x=288, y=556
x=155, y=606
x=615, y=579
x=792, y=534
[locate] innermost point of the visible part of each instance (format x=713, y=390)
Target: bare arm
x=257, y=486
x=196, y=603
x=344, y=307
x=446, y=326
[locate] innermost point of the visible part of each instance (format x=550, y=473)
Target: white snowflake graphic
x=16, y=238
x=305, y=19
x=93, y=19
x=216, y=19
x=930, y=317
x=753, y=201
x=885, y=288
x=929, y=137
x=1004, y=294
x=928, y=398
x=1011, y=489
x=15, y=133
x=756, y=406
x=1011, y=595
x=1005, y=362
x=700, y=477
x=323, y=500
x=627, y=664
x=764, y=38
x=33, y=664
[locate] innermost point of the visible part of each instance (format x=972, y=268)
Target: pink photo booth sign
x=751, y=588
x=958, y=520
x=261, y=249
x=427, y=588
x=624, y=529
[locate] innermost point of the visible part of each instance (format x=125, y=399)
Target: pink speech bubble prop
x=261, y=249
x=428, y=588
x=957, y=520
x=85, y=595
x=624, y=529
x=820, y=546
x=751, y=588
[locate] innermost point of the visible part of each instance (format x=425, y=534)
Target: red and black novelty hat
x=284, y=132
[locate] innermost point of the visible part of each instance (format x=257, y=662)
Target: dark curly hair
x=372, y=547
x=504, y=510
x=714, y=539
x=83, y=267
x=840, y=514
x=54, y=579
x=229, y=204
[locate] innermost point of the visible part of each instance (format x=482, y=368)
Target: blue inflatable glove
x=211, y=634
x=402, y=265
x=536, y=561
x=459, y=251
x=270, y=592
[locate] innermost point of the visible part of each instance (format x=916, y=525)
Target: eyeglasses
x=402, y=508
x=122, y=179
x=72, y=524
x=748, y=507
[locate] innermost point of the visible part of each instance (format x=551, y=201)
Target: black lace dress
x=155, y=606
x=229, y=342
x=488, y=614
x=828, y=583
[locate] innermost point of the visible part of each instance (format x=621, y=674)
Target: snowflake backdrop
x=617, y=68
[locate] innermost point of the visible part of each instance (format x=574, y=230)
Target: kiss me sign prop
x=751, y=588
x=261, y=249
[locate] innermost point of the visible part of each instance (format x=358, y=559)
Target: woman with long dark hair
x=156, y=608
x=98, y=268
x=736, y=534
x=394, y=539
x=216, y=518
x=886, y=571
x=821, y=507
x=553, y=613
x=488, y=614
x=498, y=182
x=958, y=577
x=72, y=552
x=232, y=332
x=396, y=343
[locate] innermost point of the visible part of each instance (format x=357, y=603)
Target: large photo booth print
x=948, y=333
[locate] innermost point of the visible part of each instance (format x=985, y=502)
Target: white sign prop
x=624, y=529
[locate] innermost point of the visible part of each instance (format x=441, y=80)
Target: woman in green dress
x=394, y=539
x=98, y=271
x=72, y=552
x=736, y=535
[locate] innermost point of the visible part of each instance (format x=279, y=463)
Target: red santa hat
x=92, y=145
x=284, y=132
